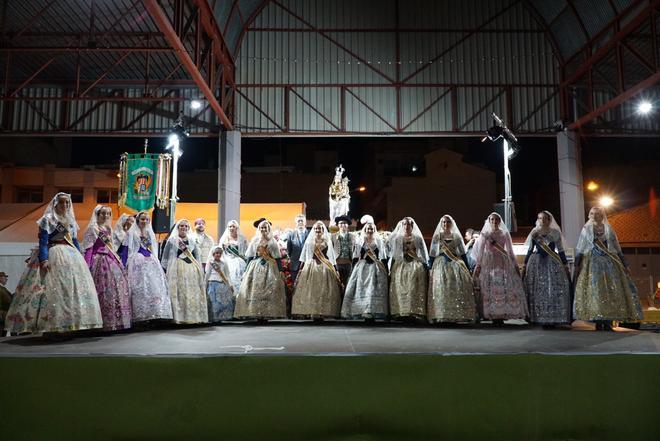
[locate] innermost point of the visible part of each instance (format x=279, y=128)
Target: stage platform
x=340, y=339
x=334, y=381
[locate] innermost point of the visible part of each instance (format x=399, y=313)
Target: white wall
x=12, y=260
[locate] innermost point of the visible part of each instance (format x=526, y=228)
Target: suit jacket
x=5, y=301
x=294, y=246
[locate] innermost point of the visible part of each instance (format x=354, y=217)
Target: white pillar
x=571, y=193
x=229, y=179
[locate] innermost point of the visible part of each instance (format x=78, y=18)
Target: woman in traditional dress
x=185, y=276
x=497, y=273
x=146, y=279
x=235, y=246
x=317, y=293
x=262, y=294
x=120, y=236
x=604, y=290
x=366, y=292
x=451, y=293
x=219, y=291
x=107, y=271
x=56, y=292
x=546, y=274
x=408, y=276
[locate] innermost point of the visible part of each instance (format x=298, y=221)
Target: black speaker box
x=160, y=220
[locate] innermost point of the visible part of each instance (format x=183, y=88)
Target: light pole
x=177, y=134
x=510, y=149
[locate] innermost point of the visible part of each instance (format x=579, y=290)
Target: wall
x=464, y=191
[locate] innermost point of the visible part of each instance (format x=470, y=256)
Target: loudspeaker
x=161, y=220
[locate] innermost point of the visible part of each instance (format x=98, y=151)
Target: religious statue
x=339, y=195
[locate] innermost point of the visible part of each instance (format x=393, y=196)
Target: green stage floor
x=394, y=384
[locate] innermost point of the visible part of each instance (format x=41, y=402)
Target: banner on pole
x=140, y=180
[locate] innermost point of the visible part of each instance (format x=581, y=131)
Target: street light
x=592, y=186
x=510, y=149
x=606, y=201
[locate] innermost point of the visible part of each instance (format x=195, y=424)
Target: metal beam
x=83, y=49
x=333, y=41
x=213, y=31
x=163, y=23
x=637, y=88
x=461, y=40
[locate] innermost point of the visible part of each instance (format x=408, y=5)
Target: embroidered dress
x=185, y=280
x=234, y=255
x=501, y=286
x=110, y=281
x=262, y=294
x=604, y=290
x=317, y=292
x=546, y=281
x=64, y=297
x=366, y=294
x=451, y=295
x=219, y=292
x=408, y=279
x=146, y=280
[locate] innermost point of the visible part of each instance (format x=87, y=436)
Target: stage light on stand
x=177, y=135
x=510, y=148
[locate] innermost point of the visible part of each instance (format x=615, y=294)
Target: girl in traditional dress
x=56, y=292
x=366, y=292
x=408, y=276
x=107, y=271
x=120, y=236
x=317, y=293
x=219, y=291
x=497, y=273
x=604, y=290
x=451, y=293
x=146, y=279
x=546, y=274
x=262, y=293
x=235, y=246
x=185, y=276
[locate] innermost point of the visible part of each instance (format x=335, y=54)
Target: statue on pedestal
x=339, y=195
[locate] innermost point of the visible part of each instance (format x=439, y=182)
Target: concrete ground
x=339, y=338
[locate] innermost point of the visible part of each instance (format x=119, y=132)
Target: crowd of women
x=116, y=280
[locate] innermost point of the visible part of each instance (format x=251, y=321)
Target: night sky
x=623, y=166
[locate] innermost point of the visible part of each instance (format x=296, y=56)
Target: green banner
x=139, y=192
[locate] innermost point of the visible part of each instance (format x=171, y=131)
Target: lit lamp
x=606, y=201
x=592, y=186
x=644, y=107
x=510, y=148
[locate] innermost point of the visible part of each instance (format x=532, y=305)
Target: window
x=106, y=195
x=76, y=194
x=25, y=195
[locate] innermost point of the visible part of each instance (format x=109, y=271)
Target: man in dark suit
x=5, y=300
x=294, y=244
